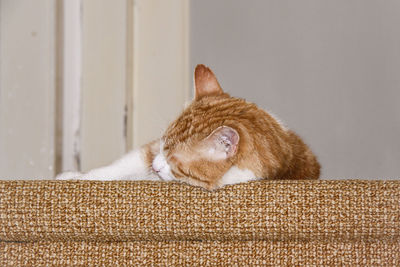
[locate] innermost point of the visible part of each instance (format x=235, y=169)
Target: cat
x=217, y=140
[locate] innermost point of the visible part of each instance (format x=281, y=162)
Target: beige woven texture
x=88, y=223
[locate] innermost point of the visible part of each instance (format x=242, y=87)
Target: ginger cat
x=217, y=140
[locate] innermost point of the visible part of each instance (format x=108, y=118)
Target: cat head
x=214, y=141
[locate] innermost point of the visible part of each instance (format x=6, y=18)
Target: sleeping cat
x=217, y=140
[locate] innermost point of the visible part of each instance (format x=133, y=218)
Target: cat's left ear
x=222, y=143
x=205, y=82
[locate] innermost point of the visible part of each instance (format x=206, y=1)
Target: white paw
x=68, y=176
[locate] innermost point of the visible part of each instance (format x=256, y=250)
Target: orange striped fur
x=253, y=140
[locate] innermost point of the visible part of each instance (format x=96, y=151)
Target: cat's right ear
x=205, y=82
x=222, y=143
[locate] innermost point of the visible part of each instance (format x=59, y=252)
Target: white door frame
x=71, y=87
x=161, y=75
x=156, y=78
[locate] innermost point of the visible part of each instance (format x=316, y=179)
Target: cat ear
x=222, y=143
x=205, y=82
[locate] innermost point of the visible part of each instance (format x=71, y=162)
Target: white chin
x=166, y=176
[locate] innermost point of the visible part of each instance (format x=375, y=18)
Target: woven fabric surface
x=262, y=210
x=89, y=223
x=199, y=253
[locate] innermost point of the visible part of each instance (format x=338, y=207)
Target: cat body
x=217, y=140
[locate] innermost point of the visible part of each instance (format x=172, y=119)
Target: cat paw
x=68, y=176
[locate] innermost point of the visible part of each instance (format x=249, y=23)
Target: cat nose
x=159, y=164
x=155, y=169
x=156, y=165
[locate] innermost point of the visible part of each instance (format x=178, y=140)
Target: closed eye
x=189, y=174
x=176, y=174
x=182, y=171
x=176, y=169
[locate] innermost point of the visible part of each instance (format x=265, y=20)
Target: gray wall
x=329, y=69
